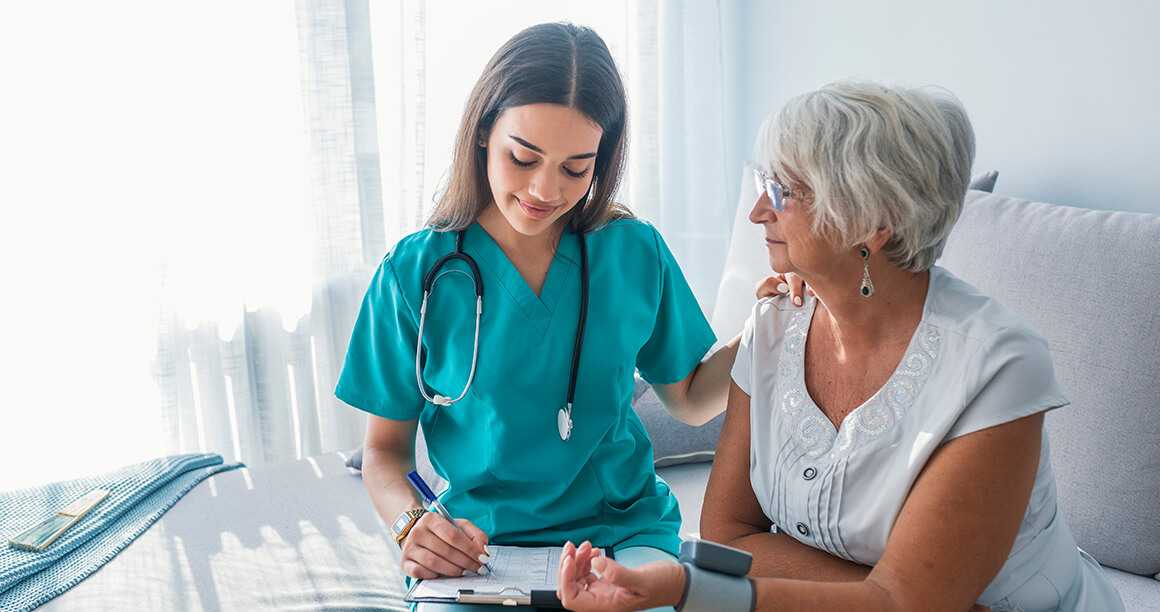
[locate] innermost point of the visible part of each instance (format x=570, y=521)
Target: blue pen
x=429, y=496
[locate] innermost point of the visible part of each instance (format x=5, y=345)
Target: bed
x=294, y=536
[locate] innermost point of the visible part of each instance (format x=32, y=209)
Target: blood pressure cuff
x=707, y=591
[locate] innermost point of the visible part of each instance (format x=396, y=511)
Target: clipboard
x=524, y=576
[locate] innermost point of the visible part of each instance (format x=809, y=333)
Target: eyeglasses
x=777, y=192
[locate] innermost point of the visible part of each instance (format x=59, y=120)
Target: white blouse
x=971, y=364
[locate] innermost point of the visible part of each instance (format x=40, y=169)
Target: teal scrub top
x=499, y=447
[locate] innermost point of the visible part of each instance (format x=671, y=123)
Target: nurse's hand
x=591, y=582
x=435, y=548
x=789, y=284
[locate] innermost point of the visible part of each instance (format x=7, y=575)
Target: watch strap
x=414, y=514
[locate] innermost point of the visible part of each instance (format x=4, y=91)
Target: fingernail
x=469, y=573
x=782, y=288
x=483, y=571
x=484, y=558
x=798, y=300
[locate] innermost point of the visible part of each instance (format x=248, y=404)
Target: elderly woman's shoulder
x=775, y=315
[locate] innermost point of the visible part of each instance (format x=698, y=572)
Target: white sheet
x=296, y=536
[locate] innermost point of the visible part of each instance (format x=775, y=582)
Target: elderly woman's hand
x=613, y=587
x=784, y=284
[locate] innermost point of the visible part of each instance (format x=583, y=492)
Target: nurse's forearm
x=703, y=394
x=385, y=478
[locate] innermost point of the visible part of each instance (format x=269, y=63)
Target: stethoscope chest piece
x=564, y=423
x=564, y=417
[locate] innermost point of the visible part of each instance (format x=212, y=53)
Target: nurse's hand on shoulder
x=589, y=581
x=435, y=548
x=788, y=284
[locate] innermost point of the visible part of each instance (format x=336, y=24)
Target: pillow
x=985, y=181
x=354, y=461
x=1105, y=447
x=674, y=442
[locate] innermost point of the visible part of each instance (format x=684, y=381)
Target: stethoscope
x=564, y=416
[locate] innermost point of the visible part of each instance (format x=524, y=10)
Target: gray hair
x=876, y=157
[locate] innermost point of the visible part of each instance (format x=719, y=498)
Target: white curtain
x=679, y=168
x=196, y=195
x=683, y=153
x=259, y=386
x=192, y=205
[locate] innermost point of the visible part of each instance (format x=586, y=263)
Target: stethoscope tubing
x=434, y=275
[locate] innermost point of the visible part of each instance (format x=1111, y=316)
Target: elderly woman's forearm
x=802, y=595
x=777, y=555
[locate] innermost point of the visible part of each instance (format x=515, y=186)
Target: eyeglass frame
x=777, y=192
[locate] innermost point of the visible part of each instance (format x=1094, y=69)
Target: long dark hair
x=554, y=63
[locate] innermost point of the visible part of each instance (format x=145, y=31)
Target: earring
x=867, y=288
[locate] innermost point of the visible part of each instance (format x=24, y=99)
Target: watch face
x=401, y=523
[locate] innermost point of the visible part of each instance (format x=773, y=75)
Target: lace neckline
x=812, y=429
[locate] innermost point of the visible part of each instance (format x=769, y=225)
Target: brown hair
x=555, y=63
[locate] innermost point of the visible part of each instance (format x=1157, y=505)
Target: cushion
x=1089, y=282
x=688, y=483
x=985, y=181
x=1139, y=593
x=674, y=442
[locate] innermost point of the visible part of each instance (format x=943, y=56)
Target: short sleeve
x=1010, y=377
x=378, y=375
x=742, y=372
x=681, y=335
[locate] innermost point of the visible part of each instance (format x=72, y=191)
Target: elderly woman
x=883, y=447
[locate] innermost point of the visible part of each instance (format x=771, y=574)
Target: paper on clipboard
x=517, y=572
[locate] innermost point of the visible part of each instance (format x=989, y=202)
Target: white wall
x=1063, y=93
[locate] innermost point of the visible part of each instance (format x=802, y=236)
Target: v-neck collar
x=561, y=272
x=918, y=345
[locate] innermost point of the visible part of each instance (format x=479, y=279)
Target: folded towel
x=138, y=496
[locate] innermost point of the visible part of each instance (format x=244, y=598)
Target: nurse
x=566, y=274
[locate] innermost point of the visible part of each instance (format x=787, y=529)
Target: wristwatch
x=404, y=522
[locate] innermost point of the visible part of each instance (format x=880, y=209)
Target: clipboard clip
x=510, y=597
x=507, y=596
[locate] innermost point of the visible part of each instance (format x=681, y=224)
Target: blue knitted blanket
x=138, y=496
